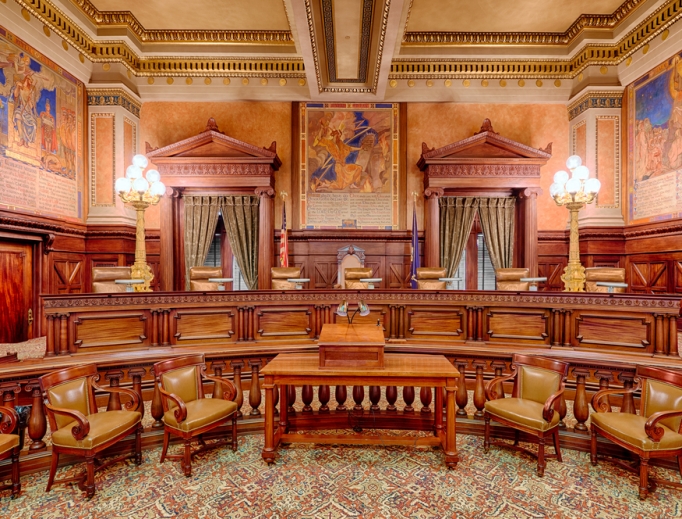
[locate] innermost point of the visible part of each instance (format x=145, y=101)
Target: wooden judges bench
x=633, y=323
x=602, y=336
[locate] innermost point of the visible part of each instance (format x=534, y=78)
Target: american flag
x=283, y=240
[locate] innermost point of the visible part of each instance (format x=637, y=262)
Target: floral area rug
x=335, y=481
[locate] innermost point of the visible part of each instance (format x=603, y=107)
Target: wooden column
x=266, y=243
x=169, y=215
x=528, y=199
x=432, y=227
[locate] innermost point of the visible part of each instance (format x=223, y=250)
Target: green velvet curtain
x=201, y=218
x=240, y=214
x=497, y=222
x=456, y=217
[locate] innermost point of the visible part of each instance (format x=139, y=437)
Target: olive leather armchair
x=79, y=429
x=187, y=412
x=656, y=432
x=9, y=447
x=428, y=278
x=538, y=383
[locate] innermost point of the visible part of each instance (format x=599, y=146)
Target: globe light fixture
x=574, y=192
x=140, y=190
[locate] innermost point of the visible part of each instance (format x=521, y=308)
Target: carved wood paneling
x=67, y=274
x=552, y=270
x=509, y=324
x=284, y=322
x=649, y=276
x=121, y=330
x=436, y=322
x=597, y=329
x=203, y=326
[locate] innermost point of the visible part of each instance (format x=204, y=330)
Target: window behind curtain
x=213, y=259
x=486, y=272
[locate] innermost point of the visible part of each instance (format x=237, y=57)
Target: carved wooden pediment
x=486, y=154
x=215, y=146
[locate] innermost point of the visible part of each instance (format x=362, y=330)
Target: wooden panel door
x=16, y=292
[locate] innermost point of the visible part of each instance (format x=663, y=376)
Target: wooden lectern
x=351, y=346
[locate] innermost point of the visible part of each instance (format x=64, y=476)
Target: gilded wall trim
x=616, y=159
x=583, y=23
x=594, y=100
x=113, y=97
x=93, y=158
x=127, y=19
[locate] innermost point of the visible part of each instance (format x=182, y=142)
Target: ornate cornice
x=601, y=99
x=118, y=51
x=17, y=223
x=653, y=231
x=236, y=169
x=484, y=170
x=114, y=97
x=128, y=20
x=583, y=23
x=567, y=68
x=451, y=296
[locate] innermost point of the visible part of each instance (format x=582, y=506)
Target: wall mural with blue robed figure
x=41, y=133
x=655, y=144
x=349, y=166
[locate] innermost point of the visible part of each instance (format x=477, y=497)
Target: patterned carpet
x=334, y=482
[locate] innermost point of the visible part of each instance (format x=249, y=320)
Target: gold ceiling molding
x=583, y=23
x=590, y=54
x=127, y=19
x=114, y=97
x=316, y=58
x=595, y=99
x=120, y=52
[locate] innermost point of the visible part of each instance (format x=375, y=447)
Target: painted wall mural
x=655, y=144
x=41, y=129
x=349, y=166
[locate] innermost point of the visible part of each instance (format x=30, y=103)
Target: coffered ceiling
x=364, y=50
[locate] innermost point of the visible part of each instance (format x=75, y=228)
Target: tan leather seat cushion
x=8, y=442
x=630, y=429
x=430, y=272
x=356, y=285
x=285, y=272
x=202, y=286
x=521, y=411
x=430, y=284
x=103, y=427
x=201, y=412
x=513, y=286
x=282, y=284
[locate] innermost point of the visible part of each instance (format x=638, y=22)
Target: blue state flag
x=414, y=249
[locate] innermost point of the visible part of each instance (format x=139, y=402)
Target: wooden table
x=400, y=370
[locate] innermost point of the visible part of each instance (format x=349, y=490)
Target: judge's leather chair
x=427, y=278
x=508, y=279
x=352, y=277
x=656, y=432
x=199, y=278
x=78, y=429
x=538, y=383
x=187, y=412
x=9, y=447
x=103, y=279
x=604, y=274
x=279, y=276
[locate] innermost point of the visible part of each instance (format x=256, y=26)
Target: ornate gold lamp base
x=140, y=269
x=574, y=273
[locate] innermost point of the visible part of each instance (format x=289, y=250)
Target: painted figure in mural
x=67, y=139
x=349, y=152
x=24, y=116
x=48, y=130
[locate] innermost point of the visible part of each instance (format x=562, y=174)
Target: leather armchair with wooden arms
x=656, y=432
x=103, y=279
x=279, y=276
x=199, y=278
x=79, y=429
x=9, y=447
x=428, y=278
x=187, y=412
x=352, y=277
x=604, y=274
x=538, y=383
x=508, y=279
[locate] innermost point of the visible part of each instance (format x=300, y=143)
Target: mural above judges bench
x=349, y=166
x=655, y=144
x=41, y=128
